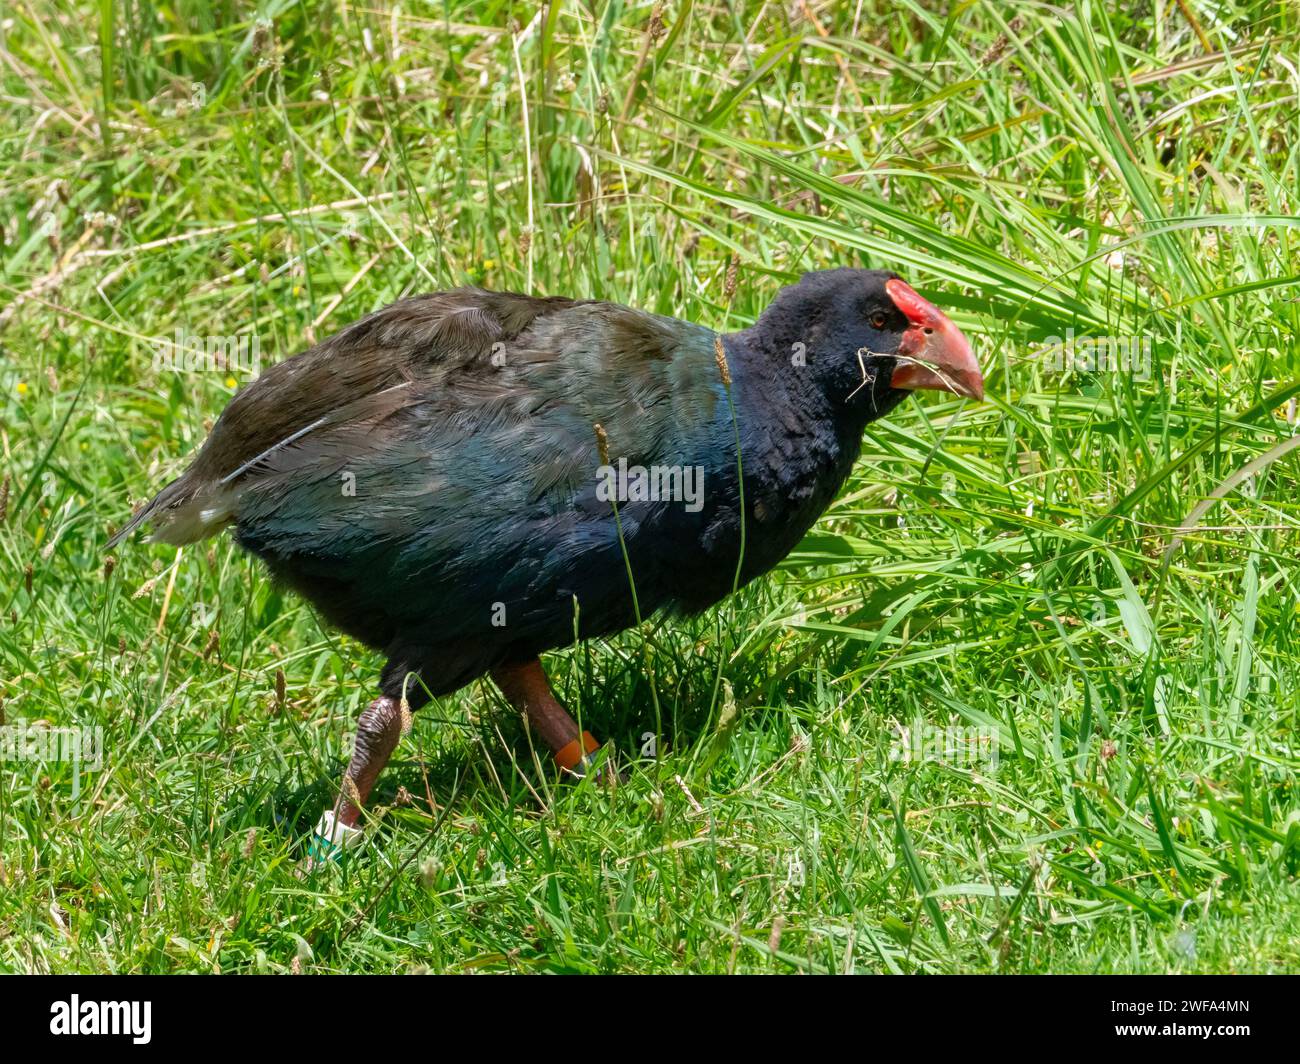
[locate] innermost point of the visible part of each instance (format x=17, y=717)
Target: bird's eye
x=878, y=320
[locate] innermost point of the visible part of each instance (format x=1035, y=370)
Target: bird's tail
x=182, y=512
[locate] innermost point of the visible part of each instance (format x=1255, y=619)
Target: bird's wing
x=464, y=448
x=354, y=380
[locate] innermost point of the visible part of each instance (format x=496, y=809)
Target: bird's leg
x=378, y=730
x=527, y=689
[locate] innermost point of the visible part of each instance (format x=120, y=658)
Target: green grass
x=1016, y=566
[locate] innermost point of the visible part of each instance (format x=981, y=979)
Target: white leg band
x=337, y=835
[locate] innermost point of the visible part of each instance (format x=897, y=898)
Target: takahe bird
x=469, y=478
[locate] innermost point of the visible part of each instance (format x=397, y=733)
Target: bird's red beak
x=949, y=363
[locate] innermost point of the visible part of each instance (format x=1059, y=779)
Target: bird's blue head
x=866, y=338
